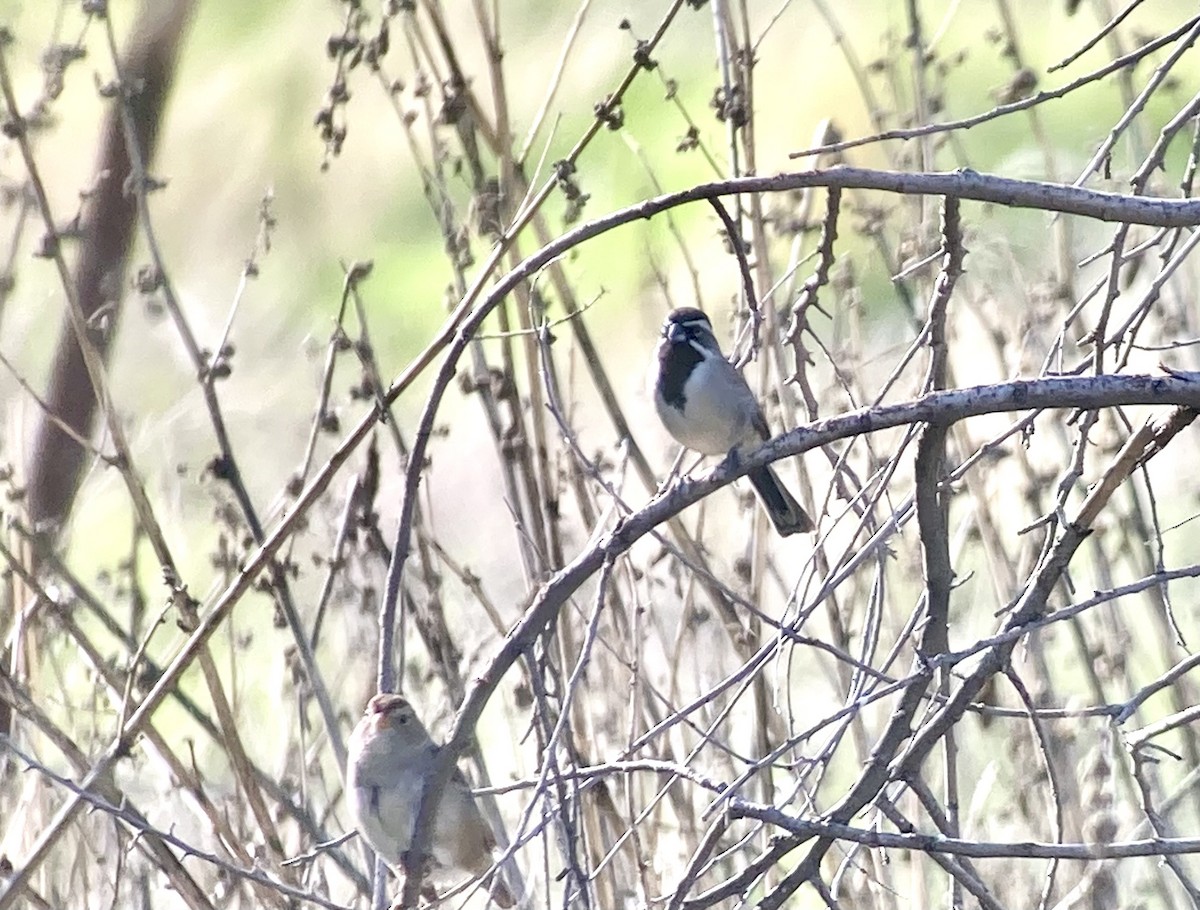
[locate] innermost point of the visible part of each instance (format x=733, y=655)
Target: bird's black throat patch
x=676, y=360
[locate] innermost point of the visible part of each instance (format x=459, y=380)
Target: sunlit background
x=239, y=139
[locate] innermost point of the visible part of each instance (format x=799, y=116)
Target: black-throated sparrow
x=707, y=406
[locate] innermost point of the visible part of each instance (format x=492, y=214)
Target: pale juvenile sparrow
x=389, y=759
x=707, y=406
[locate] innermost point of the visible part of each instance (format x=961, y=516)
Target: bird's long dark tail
x=785, y=513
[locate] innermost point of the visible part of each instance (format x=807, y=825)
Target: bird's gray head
x=688, y=325
x=393, y=720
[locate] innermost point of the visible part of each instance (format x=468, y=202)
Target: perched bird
x=390, y=758
x=707, y=406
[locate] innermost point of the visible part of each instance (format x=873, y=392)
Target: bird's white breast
x=385, y=816
x=719, y=409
